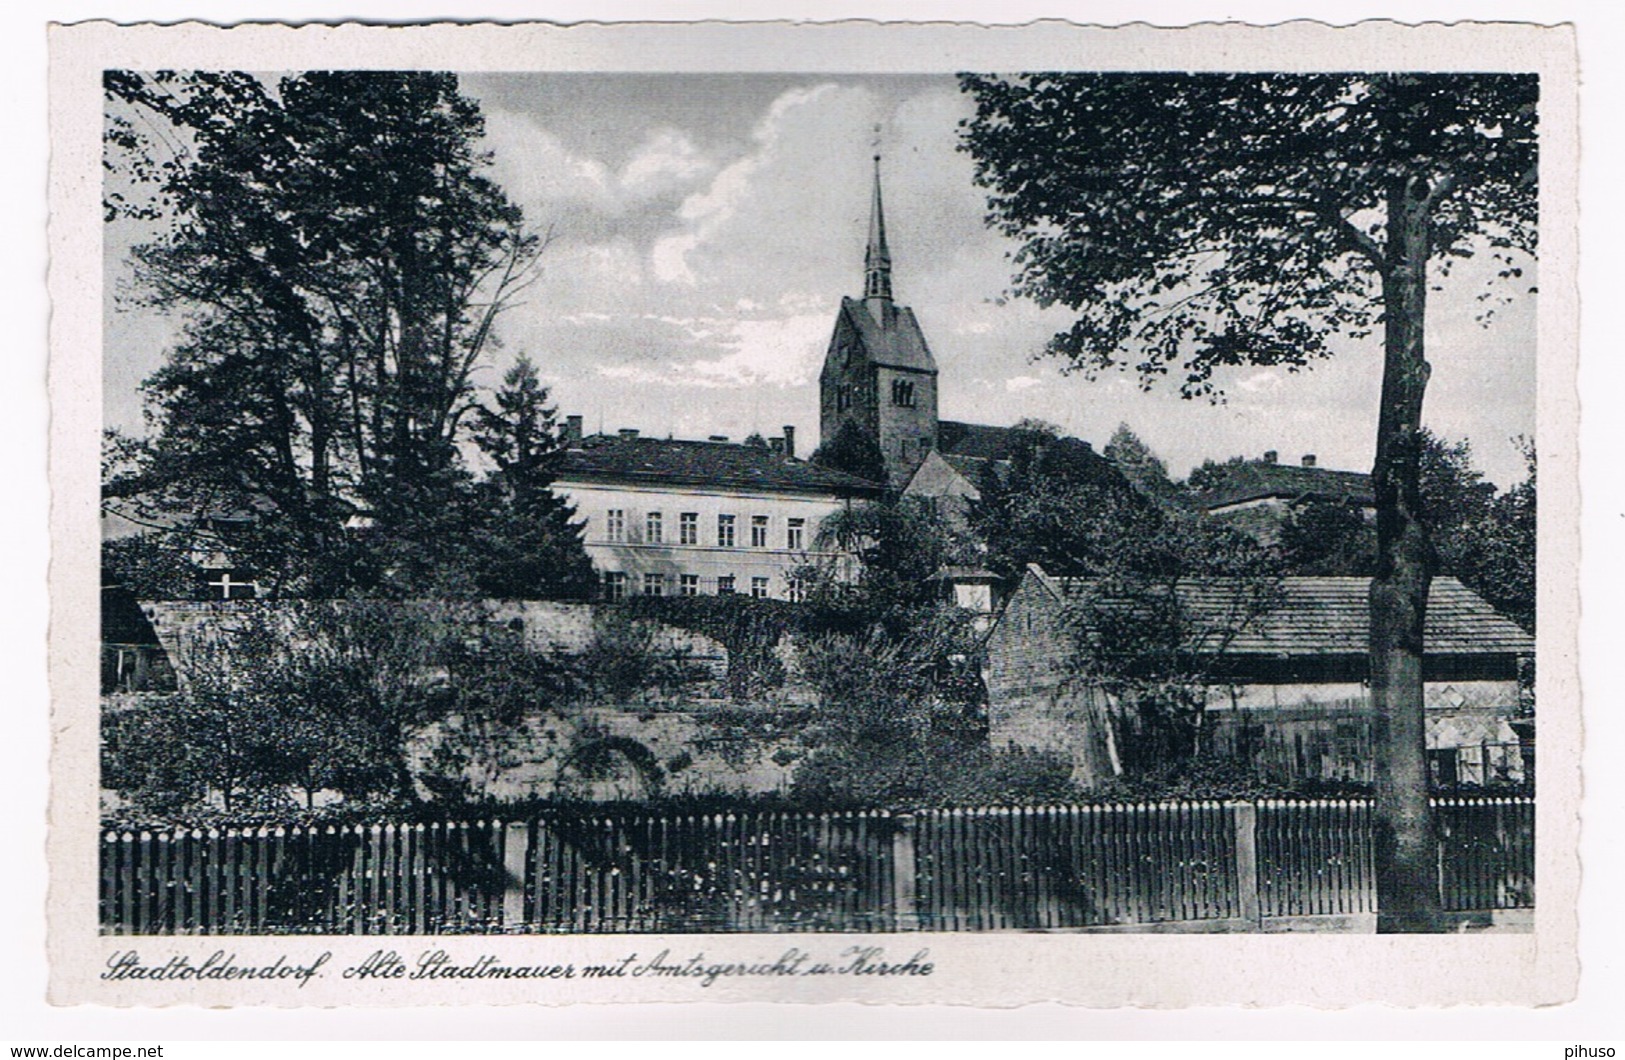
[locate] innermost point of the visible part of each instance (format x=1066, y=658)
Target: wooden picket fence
x=1226, y=864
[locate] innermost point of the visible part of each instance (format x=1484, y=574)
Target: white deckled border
x=989, y=970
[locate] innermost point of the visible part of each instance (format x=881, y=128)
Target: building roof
x=976, y=441
x=1321, y=616
x=1260, y=480
x=731, y=465
x=899, y=344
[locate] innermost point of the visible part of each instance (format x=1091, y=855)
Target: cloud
x=706, y=231
x=765, y=352
x=549, y=179
x=1260, y=382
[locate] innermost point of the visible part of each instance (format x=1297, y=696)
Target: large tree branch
x=1353, y=237
x=1440, y=191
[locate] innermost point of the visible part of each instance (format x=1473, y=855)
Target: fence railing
x=985, y=869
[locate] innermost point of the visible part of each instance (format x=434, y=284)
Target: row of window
x=688, y=529
x=658, y=584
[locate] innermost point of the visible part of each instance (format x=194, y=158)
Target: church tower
x=878, y=371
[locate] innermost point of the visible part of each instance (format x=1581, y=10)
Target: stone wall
x=607, y=753
x=547, y=626
x=687, y=741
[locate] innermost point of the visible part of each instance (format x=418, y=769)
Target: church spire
x=877, y=259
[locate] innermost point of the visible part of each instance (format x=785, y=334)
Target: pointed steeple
x=877, y=259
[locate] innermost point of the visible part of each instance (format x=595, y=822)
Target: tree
x=1213, y=473
x=1058, y=504
x=1494, y=552
x=899, y=544
x=528, y=543
x=343, y=258
x=897, y=722
x=1193, y=222
x=1145, y=471
x=1152, y=658
x=1328, y=537
x=854, y=451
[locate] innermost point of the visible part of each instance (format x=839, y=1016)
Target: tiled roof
x=721, y=464
x=1257, y=480
x=1325, y=616
x=900, y=344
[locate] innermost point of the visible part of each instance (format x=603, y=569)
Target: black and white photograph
x=639, y=508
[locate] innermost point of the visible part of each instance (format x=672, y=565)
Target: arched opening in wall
x=610, y=769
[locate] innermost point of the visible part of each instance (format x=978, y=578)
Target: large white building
x=667, y=517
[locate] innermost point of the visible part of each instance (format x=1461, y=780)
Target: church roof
x=898, y=344
x=1321, y=615
x=1259, y=480
x=731, y=465
x=975, y=440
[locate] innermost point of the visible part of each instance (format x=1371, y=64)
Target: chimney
x=628, y=434
x=777, y=445
x=717, y=438
x=572, y=431
x=789, y=441
x=1309, y=460
x=1270, y=456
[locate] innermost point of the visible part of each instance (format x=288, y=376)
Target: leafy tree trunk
x=1406, y=857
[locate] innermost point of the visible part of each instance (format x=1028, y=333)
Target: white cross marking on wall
x=226, y=585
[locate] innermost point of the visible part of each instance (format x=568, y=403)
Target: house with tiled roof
x=673, y=517
x=1283, y=671
x=1256, y=495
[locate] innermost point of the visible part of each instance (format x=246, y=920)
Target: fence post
x=903, y=874
x=515, y=852
x=1245, y=820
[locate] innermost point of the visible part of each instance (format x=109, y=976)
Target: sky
x=704, y=228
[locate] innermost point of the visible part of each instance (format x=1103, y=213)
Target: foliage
x=330, y=696
x=1485, y=538
x=1188, y=220
x=1145, y=471
x=854, y=451
x=1193, y=223
x=750, y=630
x=1060, y=505
x=899, y=545
x=341, y=257
x=527, y=543
x=624, y=661
x=1494, y=554
x=1151, y=656
x=1328, y=537
x=1203, y=777
x=152, y=566
x=897, y=723
x=1213, y=473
